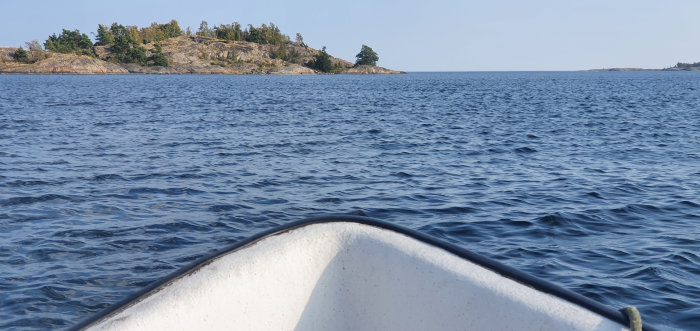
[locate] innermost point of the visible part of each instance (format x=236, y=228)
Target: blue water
x=589, y=180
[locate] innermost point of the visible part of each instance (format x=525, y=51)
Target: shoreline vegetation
x=167, y=49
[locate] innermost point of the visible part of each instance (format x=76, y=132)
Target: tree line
x=686, y=66
x=265, y=34
x=152, y=34
x=126, y=43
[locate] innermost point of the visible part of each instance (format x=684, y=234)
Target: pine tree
x=366, y=56
x=322, y=61
x=104, y=36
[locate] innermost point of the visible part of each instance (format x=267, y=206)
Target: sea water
x=589, y=180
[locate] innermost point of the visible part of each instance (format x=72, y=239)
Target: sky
x=413, y=35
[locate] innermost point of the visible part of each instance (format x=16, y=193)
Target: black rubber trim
x=502, y=269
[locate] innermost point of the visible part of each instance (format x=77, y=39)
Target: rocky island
x=680, y=66
x=166, y=49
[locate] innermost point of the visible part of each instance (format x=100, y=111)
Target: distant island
x=167, y=49
x=680, y=66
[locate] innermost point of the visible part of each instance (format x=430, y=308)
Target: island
x=680, y=66
x=167, y=49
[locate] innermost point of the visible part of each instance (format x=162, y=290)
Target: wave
x=105, y=177
x=168, y=191
x=20, y=183
x=43, y=198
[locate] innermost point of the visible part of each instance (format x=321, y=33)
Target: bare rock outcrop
x=6, y=54
x=68, y=64
x=370, y=70
x=196, y=54
x=292, y=69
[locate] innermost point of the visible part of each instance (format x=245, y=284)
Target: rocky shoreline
x=623, y=69
x=676, y=68
x=188, y=55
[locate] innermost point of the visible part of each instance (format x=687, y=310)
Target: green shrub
x=322, y=61
x=136, y=55
x=293, y=56
x=157, y=57
x=20, y=55
x=279, y=52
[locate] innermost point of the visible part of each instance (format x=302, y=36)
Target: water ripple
x=589, y=180
x=36, y=199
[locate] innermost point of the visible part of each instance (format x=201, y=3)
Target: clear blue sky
x=412, y=35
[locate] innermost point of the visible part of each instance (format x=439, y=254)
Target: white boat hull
x=347, y=276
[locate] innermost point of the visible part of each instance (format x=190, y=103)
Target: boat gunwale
x=483, y=261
